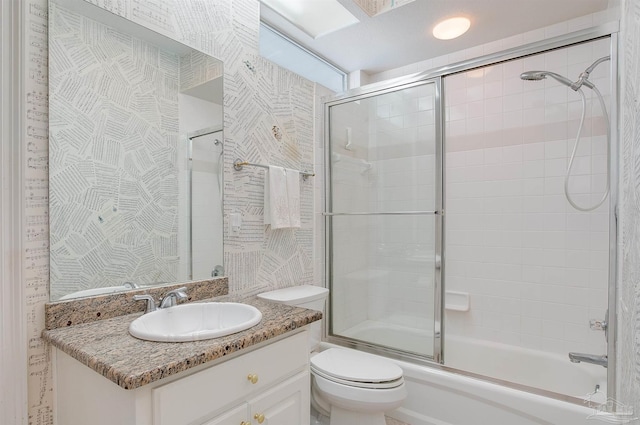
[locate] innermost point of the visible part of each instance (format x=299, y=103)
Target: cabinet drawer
x=233, y=417
x=201, y=394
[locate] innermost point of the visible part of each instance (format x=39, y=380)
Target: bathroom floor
x=323, y=420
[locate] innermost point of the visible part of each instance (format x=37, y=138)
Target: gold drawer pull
x=245, y=423
x=259, y=417
x=253, y=378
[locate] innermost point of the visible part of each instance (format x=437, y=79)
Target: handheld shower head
x=533, y=75
x=541, y=75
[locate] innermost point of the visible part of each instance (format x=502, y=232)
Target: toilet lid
x=355, y=367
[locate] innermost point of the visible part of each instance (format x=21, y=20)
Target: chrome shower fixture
x=541, y=75
x=583, y=78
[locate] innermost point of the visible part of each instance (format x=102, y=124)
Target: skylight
x=376, y=7
x=316, y=18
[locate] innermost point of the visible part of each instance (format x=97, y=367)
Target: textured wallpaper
x=268, y=119
x=628, y=367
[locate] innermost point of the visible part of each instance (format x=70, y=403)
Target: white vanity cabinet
x=282, y=404
x=267, y=385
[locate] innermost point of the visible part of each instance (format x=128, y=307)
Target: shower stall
x=452, y=239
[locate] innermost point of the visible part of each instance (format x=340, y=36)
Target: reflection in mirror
x=135, y=155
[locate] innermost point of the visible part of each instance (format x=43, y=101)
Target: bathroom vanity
x=258, y=376
x=266, y=385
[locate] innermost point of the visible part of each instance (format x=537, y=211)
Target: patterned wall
x=628, y=367
x=268, y=119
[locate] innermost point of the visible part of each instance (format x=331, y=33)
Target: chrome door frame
x=437, y=213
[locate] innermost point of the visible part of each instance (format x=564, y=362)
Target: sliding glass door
x=384, y=204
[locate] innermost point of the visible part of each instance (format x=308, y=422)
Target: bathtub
x=442, y=396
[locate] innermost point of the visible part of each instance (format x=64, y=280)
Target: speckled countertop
x=106, y=346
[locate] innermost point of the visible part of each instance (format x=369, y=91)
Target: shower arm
x=583, y=78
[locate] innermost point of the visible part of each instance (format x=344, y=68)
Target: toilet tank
x=305, y=296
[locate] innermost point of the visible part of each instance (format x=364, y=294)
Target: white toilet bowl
x=355, y=388
x=349, y=386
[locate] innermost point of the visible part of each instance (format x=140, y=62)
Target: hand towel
x=276, y=202
x=293, y=196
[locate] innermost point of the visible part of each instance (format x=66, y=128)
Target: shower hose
x=575, y=149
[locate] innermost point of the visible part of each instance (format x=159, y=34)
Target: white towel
x=282, y=198
x=293, y=196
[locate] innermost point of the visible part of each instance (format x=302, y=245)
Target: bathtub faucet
x=589, y=358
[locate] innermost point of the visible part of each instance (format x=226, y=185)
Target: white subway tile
x=552, y=324
x=532, y=309
x=493, y=89
x=512, y=85
x=554, y=258
x=553, y=185
x=556, y=95
x=474, y=93
x=512, y=102
x=533, y=273
x=531, y=187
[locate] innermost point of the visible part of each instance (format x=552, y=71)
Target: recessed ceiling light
x=316, y=18
x=451, y=28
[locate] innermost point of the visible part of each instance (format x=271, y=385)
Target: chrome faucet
x=589, y=358
x=151, y=303
x=172, y=297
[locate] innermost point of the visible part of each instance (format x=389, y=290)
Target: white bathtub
x=441, y=397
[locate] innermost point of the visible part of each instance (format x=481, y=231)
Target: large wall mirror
x=135, y=155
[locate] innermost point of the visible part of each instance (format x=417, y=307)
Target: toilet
x=348, y=386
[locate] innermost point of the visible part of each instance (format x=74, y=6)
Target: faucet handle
x=601, y=325
x=151, y=303
x=598, y=325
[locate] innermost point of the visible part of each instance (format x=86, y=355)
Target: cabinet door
x=236, y=416
x=203, y=393
x=285, y=404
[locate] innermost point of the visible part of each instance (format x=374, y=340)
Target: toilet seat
x=356, y=369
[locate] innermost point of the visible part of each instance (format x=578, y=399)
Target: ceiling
x=402, y=36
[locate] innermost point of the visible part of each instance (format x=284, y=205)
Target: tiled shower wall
x=469, y=323
x=258, y=96
x=536, y=268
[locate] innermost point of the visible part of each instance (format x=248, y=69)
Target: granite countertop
x=107, y=347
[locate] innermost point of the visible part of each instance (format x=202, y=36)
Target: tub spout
x=589, y=358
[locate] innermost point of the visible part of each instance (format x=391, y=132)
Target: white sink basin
x=196, y=321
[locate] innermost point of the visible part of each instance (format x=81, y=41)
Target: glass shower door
x=384, y=200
